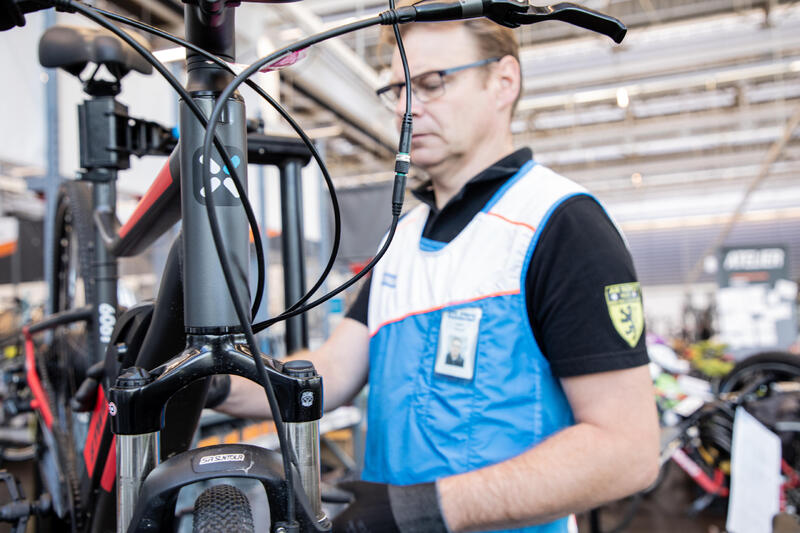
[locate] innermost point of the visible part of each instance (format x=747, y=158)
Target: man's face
x=455, y=346
x=448, y=127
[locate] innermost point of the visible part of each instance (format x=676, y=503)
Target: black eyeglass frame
x=382, y=92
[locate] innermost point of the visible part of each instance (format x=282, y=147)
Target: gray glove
x=381, y=508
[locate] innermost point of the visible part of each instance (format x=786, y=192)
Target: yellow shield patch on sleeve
x=624, y=302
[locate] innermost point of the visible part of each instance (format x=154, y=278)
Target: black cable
x=220, y=247
x=231, y=88
x=337, y=224
x=234, y=175
x=383, y=18
x=241, y=312
x=221, y=253
x=402, y=163
x=210, y=139
x=260, y=326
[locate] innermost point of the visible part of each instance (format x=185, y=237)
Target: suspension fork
x=138, y=400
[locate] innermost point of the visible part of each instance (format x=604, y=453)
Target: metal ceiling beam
x=338, y=78
x=619, y=148
x=663, y=84
x=725, y=119
x=772, y=155
x=650, y=62
x=722, y=166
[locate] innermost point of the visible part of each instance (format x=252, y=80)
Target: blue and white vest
x=422, y=425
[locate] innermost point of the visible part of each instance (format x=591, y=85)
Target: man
x=551, y=411
x=454, y=356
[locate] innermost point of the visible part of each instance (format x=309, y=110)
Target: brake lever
x=565, y=12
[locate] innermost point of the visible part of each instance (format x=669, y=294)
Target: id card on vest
x=458, y=341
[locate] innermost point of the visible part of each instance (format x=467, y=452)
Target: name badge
x=458, y=342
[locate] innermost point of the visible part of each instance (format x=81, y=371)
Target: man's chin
x=426, y=158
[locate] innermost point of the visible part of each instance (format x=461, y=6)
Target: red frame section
x=39, y=402
x=154, y=192
x=92, y=449
x=96, y=427
x=715, y=486
x=157, y=211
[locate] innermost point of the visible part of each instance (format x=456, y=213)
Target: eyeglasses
x=427, y=86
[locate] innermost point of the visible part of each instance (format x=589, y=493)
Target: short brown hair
x=493, y=39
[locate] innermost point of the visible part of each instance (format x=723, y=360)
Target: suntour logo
x=222, y=458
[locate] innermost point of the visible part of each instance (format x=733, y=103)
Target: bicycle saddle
x=73, y=47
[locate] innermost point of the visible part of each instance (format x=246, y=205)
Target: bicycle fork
x=137, y=456
x=137, y=403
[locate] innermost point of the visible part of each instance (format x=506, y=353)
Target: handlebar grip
x=12, y=12
x=576, y=15
x=10, y=15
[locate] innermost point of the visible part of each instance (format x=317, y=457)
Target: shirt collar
x=499, y=170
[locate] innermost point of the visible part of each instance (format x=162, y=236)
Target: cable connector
x=402, y=164
x=401, y=15
x=398, y=193
x=404, y=147
x=63, y=6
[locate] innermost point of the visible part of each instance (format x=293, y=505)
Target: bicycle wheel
x=63, y=366
x=761, y=369
x=222, y=509
x=73, y=253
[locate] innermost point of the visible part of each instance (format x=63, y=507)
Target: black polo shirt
x=579, y=253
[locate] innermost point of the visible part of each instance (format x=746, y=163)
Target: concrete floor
x=665, y=510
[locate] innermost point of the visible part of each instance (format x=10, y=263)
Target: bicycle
x=700, y=442
x=144, y=400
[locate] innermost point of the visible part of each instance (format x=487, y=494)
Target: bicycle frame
x=137, y=401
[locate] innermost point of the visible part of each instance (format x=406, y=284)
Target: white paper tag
x=755, y=476
x=458, y=341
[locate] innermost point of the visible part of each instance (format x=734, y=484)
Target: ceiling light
x=170, y=55
x=622, y=97
x=636, y=179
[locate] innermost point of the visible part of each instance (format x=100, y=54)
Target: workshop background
x=687, y=132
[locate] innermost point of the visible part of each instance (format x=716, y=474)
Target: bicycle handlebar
x=514, y=13
x=509, y=13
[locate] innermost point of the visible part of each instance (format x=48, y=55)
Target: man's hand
x=380, y=508
x=218, y=390
x=343, y=363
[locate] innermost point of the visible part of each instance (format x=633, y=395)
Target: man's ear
x=508, y=79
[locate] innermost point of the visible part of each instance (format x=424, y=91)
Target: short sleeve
x=579, y=254
x=358, y=311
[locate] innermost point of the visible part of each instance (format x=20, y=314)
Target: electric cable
x=294, y=125
x=288, y=458
x=206, y=175
x=382, y=18
x=210, y=139
x=261, y=270
x=402, y=166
